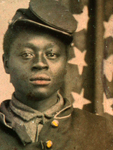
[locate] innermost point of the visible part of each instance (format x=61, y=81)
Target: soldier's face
x=37, y=64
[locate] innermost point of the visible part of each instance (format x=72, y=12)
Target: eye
x=27, y=55
x=51, y=55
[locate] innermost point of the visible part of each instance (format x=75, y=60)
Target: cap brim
x=27, y=21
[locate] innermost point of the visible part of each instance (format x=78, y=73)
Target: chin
x=39, y=94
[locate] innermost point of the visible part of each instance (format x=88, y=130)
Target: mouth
x=41, y=79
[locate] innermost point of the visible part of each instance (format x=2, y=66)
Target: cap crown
x=48, y=14
x=54, y=14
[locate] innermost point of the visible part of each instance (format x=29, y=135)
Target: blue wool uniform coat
x=77, y=130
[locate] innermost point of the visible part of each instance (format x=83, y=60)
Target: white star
x=82, y=19
x=108, y=27
x=79, y=59
x=107, y=104
x=79, y=100
x=108, y=68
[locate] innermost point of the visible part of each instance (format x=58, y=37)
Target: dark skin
x=37, y=66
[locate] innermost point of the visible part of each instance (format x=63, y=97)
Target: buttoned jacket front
x=77, y=130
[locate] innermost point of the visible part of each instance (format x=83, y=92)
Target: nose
x=40, y=62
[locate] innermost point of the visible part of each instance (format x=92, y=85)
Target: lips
x=41, y=79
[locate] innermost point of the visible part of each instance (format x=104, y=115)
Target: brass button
x=10, y=22
x=72, y=44
x=49, y=144
x=55, y=123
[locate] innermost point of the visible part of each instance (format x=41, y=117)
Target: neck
x=37, y=103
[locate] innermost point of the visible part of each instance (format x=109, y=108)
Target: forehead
x=36, y=37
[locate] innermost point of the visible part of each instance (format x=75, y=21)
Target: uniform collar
x=27, y=113
x=7, y=118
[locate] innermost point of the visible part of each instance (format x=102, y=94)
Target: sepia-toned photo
x=56, y=70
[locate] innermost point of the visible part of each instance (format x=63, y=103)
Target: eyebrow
x=32, y=46
x=29, y=45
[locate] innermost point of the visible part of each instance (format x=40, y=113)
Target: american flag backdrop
x=89, y=79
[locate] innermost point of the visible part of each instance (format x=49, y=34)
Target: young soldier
x=35, y=55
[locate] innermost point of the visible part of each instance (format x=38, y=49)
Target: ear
x=5, y=62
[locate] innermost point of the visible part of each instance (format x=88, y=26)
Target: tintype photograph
x=56, y=74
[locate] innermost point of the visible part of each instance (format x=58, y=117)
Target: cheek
x=17, y=74
x=17, y=70
x=58, y=70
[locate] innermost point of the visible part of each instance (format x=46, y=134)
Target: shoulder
x=83, y=114
x=89, y=120
x=92, y=128
x=92, y=123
